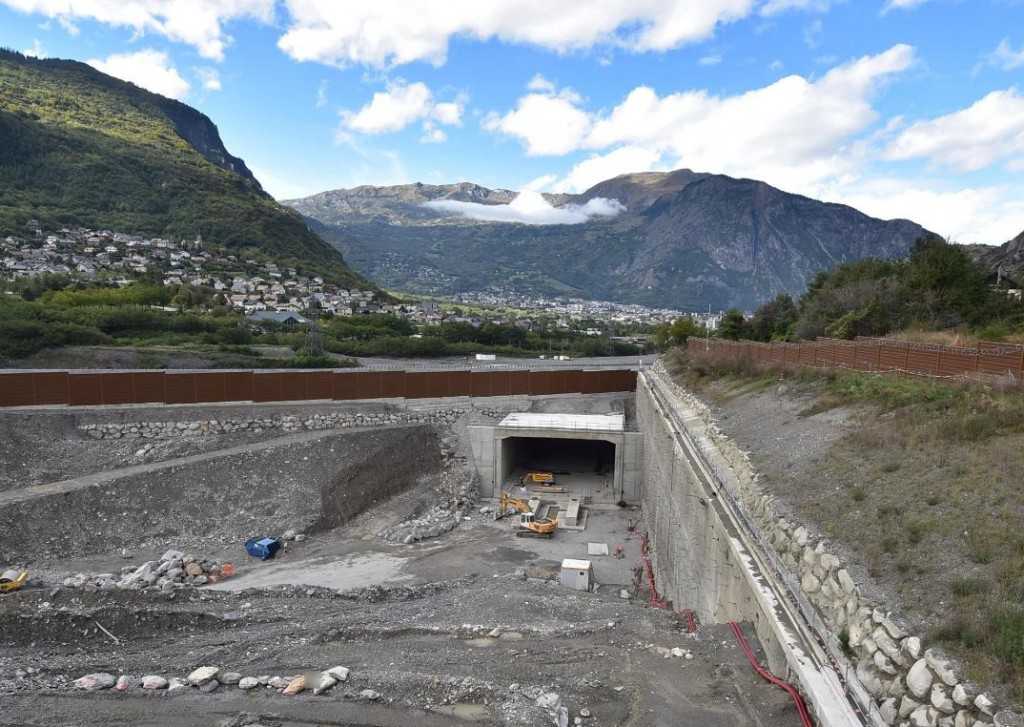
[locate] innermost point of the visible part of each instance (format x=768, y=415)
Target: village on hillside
x=265, y=291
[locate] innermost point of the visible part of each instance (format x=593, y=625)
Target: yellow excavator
x=528, y=524
x=12, y=580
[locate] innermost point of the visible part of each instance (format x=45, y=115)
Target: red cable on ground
x=656, y=600
x=691, y=620
x=798, y=700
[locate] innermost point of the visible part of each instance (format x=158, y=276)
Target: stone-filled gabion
x=285, y=423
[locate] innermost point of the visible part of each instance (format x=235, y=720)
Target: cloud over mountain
x=530, y=208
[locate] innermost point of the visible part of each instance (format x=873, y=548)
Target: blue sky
x=903, y=108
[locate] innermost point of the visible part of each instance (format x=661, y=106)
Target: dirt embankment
x=919, y=487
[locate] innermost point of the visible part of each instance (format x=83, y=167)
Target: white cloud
x=774, y=7
x=901, y=5
x=804, y=131
x=449, y=112
x=381, y=34
x=149, y=69
x=987, y=215
x=195, y=22
x=712, y=59
x=988, y=131
x=36, y=50
x=432, y=134
x=390, y=110
x=530, y=208
x=1005, y=57
x=812, y=33
x=597, y=168
x=541, y=183
x=402, y=104
x=540, y=84
x=209, y=77
x=321, y=94
x=547, y=121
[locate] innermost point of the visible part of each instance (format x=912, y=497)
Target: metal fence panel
x=392, y=384
x=148, y=387
x=117, y=388
x=238, y=386
x=180, y=388
x=17, y=389
x=84, y=389
x=50, y=387
x=319, y=385
x=211, y=386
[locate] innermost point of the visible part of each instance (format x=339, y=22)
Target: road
x=505, y=364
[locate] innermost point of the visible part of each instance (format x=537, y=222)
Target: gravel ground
x=423, y=638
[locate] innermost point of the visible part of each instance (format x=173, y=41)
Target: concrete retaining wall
x=305, y=482
x=885, y=669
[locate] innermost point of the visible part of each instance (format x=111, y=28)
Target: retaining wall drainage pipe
x=801, y=708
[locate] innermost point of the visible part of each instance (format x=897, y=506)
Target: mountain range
x=682, y=239
x=81, y=148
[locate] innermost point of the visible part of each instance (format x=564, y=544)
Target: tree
x=733, y=325
x=774, y=320
x=678, y=332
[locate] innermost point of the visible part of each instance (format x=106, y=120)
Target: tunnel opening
x=581, y=468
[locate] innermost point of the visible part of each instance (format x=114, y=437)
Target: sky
x=901, y=108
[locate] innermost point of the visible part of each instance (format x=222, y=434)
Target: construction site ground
x=412, y=622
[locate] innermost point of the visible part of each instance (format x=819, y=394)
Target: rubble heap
x=174, y=570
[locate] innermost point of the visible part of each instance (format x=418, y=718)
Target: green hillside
x=78, y=147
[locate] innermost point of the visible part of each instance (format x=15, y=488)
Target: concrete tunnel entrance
x=584, y=468
x=592, y=456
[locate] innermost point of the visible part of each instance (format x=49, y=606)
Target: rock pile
x=436, y=521
x=174, y=570
x=209, y=678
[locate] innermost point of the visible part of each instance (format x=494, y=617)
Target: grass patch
x=964, y=587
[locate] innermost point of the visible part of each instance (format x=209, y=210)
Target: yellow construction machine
x=12, y=580
x=528, y=525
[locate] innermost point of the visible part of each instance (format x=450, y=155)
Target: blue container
x=262, y=548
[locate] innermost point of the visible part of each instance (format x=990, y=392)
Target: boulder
x=210, y=686
x=919, y=679
x=323, y=682
x=942, y=665
x=229, y=677
x=94, y=682
x=889, y=711
x=984, y=704
x=278, y=682
x=248, y=683
x=122, y=684
x=296, y=685
x=907, y=706
x=202, y=675
x=176, y=685
x=370, y=694
x=963, y=694
x=340, y=673
x=172, y=555
x=923, y=717
x=154, y=681
x=940, y=699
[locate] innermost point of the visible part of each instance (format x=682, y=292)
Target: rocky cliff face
x=687, y=239
x=1008, y=258
x=201, y=133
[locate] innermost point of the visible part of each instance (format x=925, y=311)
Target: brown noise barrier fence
x=94, y=387
x=987, y=362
